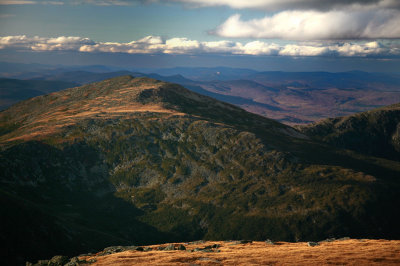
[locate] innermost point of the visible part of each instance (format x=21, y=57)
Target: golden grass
x=346, y=252
x=61, y=113
x=52, y=122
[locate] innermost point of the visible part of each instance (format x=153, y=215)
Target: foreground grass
x=345, y=252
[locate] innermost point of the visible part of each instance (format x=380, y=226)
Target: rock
x=181, y=247
x=73, y=262
x=269, y=242
x=328, y=240
x=58, y=261
x=312, y=244
x=41, y=263
x=170, y=247
x=343, y=238
x=212, y=246
x=241, y=242
x=130, y=248
x=112, y=250
x=196, y=242
x=117, y=249
x=147, y=249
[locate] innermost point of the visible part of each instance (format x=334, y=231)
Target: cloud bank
x=157, y=45
x=315, y=25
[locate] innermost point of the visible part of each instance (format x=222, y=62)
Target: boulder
x=269, y=242
x=312, y=244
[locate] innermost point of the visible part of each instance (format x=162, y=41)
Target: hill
x=14, y=90
x=375, y=132
x=139, y=161
x=81, y=77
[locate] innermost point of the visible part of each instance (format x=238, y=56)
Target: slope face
x=135, y=160
x=376, y=132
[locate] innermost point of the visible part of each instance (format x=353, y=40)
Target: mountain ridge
x=140, y=94
x=375, y=132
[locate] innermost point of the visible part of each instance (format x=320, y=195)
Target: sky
x=287, y=35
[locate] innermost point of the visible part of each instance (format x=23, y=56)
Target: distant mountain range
x=138, y=160
x=289, y=97
x=15, y=90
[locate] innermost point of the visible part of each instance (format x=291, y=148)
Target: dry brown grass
x=61, y=112
x=346, y=252
x=53, y=122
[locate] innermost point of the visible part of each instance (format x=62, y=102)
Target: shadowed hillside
x=137, y=160
x=376, y=132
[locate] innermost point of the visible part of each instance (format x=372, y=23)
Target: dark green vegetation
x=376, y=132
x=136, y=161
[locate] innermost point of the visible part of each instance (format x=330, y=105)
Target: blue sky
x=111, y=23
x=365, y=31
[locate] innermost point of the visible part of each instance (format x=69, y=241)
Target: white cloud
x=305, y=50
x=43, y=44
x=16, y=2
x=260, y=48
x=157, y=45
x=315, y=25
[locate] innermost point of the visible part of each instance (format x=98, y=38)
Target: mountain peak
x=120, y=98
